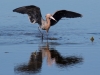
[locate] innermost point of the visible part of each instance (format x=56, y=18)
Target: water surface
x=68, y=49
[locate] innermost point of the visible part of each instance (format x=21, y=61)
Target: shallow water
x=68, y=49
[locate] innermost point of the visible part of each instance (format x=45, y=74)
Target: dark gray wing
x=64, y=13
x=32, y=11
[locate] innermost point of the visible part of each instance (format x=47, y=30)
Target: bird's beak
x=52, y=18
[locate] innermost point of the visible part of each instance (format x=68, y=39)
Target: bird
x=35, y=16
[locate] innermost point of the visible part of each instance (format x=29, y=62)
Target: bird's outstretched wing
x=64, y=13
x=32, y=11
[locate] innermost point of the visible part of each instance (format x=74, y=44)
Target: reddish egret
x=35, y=16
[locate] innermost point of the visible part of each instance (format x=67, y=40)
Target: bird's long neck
x=47, y=24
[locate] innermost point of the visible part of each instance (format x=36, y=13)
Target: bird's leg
x=47, y=33
x=40, y=32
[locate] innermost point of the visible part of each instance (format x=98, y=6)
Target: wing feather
x=64, y=13
x=32, y=11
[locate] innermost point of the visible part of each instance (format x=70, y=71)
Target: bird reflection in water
x=53, y=56
x=46, y=53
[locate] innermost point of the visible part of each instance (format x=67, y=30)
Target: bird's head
x=50, y=16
